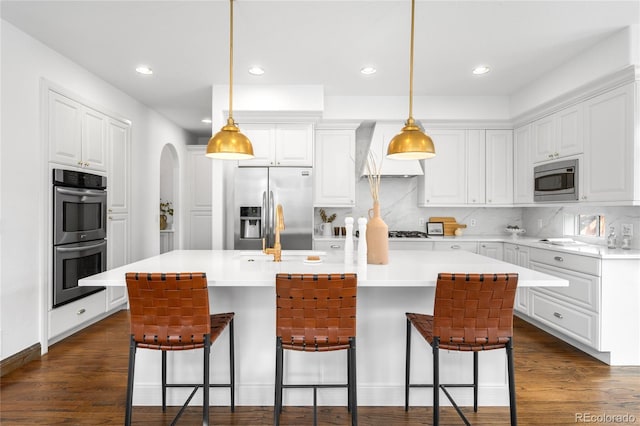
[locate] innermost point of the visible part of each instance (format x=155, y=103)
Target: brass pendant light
x=229, y=143
x=411, y=143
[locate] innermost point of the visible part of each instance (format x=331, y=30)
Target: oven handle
x=89, y=192
x=83, y=247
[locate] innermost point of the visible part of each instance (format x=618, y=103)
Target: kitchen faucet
x=276, y=250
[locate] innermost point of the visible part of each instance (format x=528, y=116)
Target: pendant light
x=229, y=143
x=411, y=143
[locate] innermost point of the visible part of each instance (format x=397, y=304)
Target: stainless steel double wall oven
x=79, y=232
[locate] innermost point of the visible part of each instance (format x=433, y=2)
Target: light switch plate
x=627, y=229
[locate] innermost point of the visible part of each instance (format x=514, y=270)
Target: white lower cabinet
x=572, y=310
x=332, y=247
x=597, y=312
x=471, y=246
x=401, y=244
x=518, y=255
x=67, y=319
x=117, y=255
x=491, y=249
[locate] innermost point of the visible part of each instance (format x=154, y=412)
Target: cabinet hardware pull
x=559, y=258
x=557, y=315
x=455, y=247
x=81, y=311
x=110, y=218
x=336, y=246
x=517, y=248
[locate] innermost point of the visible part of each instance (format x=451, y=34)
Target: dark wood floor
x=82, y=381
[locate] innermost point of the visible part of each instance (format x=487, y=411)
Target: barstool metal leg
x=164, y=381
x=512, y=383
x=132, y=365
x=232, y=366
x=277, y=404
x=205, y=383
x=475, y=381
x=407, y=367
x=353, y=383
x=436, y=381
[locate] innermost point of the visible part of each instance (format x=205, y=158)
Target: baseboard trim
x=20, y=359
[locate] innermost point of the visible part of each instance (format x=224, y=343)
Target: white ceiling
x=316, y=42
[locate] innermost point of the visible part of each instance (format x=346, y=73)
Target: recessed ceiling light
x=481, y=69
x=256, y=70
x=206, y=120
x=144, y=69
x=368, y=70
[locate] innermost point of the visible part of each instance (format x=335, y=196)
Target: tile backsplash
x=398, y=207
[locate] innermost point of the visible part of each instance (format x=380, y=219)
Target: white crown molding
x=603, y=84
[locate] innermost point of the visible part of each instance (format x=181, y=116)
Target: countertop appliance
x=79, y=232
x=557, y=181
x=257, y=192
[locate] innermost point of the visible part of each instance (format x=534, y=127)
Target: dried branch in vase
x=373, y=175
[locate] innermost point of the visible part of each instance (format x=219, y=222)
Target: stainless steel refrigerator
x=257, y=192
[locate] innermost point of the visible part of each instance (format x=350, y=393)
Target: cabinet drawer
x=585, y=264
x=575, y=323
x=395, y=244
x=583, y=289
x=71, y=315
x=331, y=246
x=461, y=245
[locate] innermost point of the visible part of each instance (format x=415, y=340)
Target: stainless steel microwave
x=557, y=181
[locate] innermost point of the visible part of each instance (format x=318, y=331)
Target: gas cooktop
x=407, y=234
x=403, y=234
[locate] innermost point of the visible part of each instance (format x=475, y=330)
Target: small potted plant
x=325, y=227
x=166, y=208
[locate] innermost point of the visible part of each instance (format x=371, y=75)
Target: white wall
x=23, y=176
x=610, y=55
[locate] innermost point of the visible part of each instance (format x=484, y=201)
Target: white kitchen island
x=244, y=282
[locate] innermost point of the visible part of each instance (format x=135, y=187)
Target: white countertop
x=590, y=250
x=406, y=268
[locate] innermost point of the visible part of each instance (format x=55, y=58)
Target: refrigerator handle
x=263, y=217
x=272, y=218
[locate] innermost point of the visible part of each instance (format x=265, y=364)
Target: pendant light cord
x=231, y=60
x=413, y=7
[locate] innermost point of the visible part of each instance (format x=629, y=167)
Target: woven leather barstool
x=472, y=312
x=170, y=312
x=316, y=312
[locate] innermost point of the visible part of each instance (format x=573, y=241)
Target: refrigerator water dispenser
x=250, y=222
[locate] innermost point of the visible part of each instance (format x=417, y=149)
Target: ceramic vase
x=377, y=238
x=163, y=221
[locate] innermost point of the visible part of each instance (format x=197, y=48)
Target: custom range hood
x=374, y=137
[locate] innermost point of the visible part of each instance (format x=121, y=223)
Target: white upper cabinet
x=558, y=135
x=476, y=167
x=611, y=170
x=471, y=167
x=523, y=166
x=499, y=163
x=445, y=175
x=119, y=136
x=77, y=134
x=334, y=169
x=279, y=144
